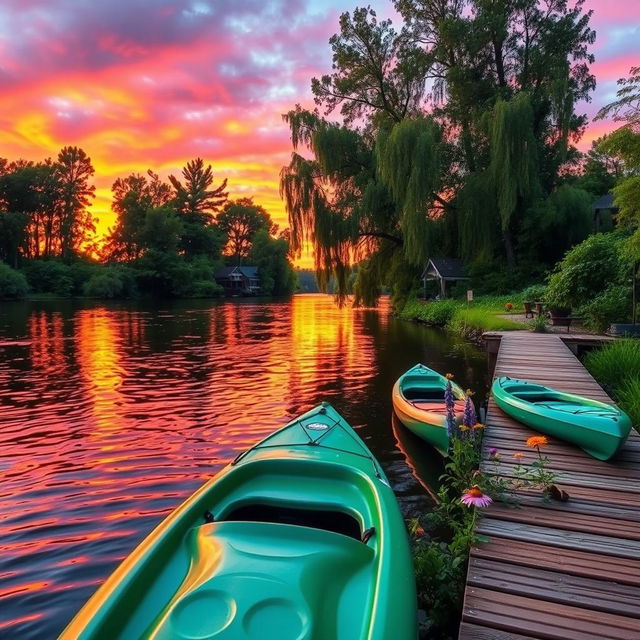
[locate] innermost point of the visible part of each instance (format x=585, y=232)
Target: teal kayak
x=418, y=400
x=300, y=537
x=599, y=429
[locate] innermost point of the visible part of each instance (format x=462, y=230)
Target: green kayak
x=599, y=429
x=299, y=538
x=418, y=400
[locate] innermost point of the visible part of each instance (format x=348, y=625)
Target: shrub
x=207, y=289
x=614, y=305
x=50, y=276
x=435, y=313
x=13, y=284
x=588, y=270
x=103, y=285
x=534, y=293
x=538, y=324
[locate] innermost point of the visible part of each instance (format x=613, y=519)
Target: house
x=443, y=270
x=604, y=213
x=238, y=281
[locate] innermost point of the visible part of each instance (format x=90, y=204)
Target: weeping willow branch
x=513, y=154
x=408, y=158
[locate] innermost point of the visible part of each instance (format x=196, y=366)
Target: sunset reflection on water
x=110, y=415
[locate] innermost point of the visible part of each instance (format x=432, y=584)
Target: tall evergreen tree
x=197, y=202
x=73, y=170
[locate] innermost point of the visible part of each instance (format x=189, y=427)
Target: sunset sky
x=144, y=84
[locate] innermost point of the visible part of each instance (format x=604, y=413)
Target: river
x=111, y=414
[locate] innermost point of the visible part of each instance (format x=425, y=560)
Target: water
x=111, y=415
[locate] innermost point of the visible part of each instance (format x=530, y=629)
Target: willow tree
x=464, y=167
x=506, y=77
x=345, y=201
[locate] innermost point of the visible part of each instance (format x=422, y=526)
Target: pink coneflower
x=475, y=498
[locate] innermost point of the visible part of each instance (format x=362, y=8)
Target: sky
x=152, y=84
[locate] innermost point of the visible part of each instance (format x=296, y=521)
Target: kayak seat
x=269, y=581
x=336, y=521
x=424, y=395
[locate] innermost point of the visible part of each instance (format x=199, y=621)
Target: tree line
x=168, y=239
x=456, y=137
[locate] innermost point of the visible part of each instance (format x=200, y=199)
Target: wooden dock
x=562, y=570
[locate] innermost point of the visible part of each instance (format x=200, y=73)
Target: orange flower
x=449, y=376
x=478, y=425
x=463, y=427
x=518, y=455
x=537, y=441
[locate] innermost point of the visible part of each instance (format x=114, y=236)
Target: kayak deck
x=243, y=578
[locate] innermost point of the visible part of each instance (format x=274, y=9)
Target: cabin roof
x=247, y=272
x=605, y=202
x=445, y=268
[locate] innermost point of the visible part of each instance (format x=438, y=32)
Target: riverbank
x=466, y=319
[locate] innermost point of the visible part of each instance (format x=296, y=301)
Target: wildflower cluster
x=535, y=475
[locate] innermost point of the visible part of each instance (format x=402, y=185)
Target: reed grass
x=628, y=396
x=616, y=367
x=615, y=363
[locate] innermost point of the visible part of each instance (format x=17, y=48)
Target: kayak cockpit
x=423, y=394
x=327, y=520
x=245, y=578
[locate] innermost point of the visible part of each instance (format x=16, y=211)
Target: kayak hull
x=597, y=428
x=418, y=401
x=270, y=548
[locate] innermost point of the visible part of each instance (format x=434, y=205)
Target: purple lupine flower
x=449, y=403
x=469, y=418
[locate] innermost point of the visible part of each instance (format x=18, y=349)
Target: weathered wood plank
x=476, y=632
x=576, y=562
x=555, y=586
x=544, y=619
x=566, y=520
x=602, y=544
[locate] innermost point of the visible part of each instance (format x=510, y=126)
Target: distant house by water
x=238, y=281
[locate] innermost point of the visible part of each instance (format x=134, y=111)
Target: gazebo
x=444, y=270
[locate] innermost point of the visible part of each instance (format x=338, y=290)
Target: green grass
x=483, y=318
x=616, y=366
x=466, y=320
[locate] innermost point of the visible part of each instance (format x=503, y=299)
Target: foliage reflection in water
x=112, y=414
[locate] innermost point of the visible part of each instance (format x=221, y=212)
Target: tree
x=270, y=255
x=627, y=107
x=133, y=198
x=73, y=170
x=240, y=220
x=600, y=170
x=459, y=170
x=624, y=143
x=197, y=203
